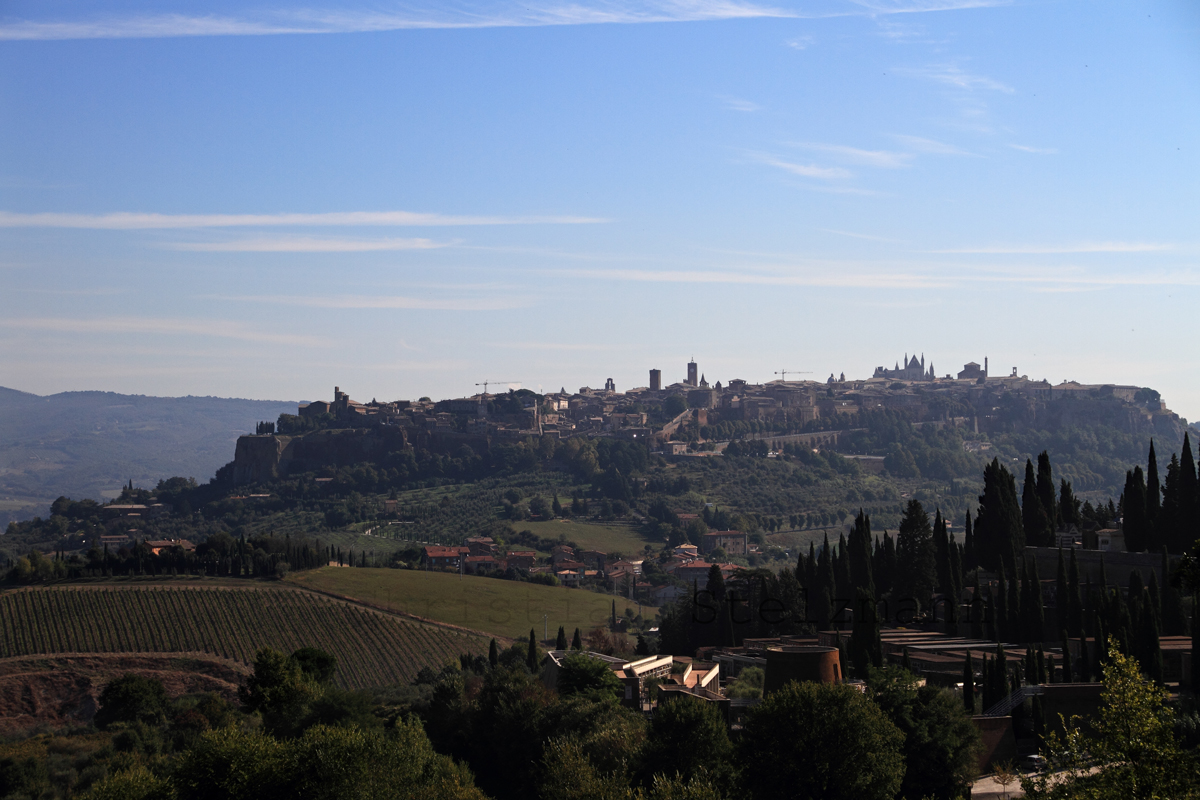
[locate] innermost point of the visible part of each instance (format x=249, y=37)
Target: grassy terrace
x=501, y=608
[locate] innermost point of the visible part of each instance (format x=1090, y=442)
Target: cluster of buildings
x=971, y=398
x=482, y=556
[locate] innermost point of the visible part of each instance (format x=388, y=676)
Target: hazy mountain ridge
x=87, y=444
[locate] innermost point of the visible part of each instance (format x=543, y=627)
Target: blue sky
x=404, y=200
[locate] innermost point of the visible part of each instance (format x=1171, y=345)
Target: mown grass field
x=372, y=648
x=501, y=608
x=612, y=538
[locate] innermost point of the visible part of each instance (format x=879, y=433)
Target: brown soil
x=61, y=690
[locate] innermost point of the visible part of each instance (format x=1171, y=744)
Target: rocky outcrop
x=259, y=459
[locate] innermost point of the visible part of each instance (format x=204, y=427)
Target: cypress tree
x=531, y=657
x=1036, y=625
x=845, y=581
x=916, y=567
x=1066, y=657
x=941, y=552
x=1153, y=500
x=493, y=654
x=1033, y=514
x=1133, y=504
x=1085, y=662
x=1050, y=676
x=1074, y=619
x=1040, y=658
x=1002, y=683
x=978, y=608
x=1188, y=500
x=956, y=577
x=576, y=641
x=866, y=650
x=1045, y=491
x=861, y=572
x=1062, y=593
x=999, y=536
x=985, y=683
x=560, y=643
x=887, y=580
x=612, y=622
x=1169, y=530
x=1001, y=611
x=810, y=568
x=826, y=586
x=968, y=685
x=905, y=662
x=993, y=623
x=1068, y=506
x=826, y=577
x=970, y=561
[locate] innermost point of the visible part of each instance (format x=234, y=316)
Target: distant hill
x=88, y=444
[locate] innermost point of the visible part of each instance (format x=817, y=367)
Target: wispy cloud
x=314, y=21
x=738, y=104
x=1093, y=247
x=813, y=278
x=364, y=301
x=952, y=75
x=308, y=245
x=805, y=170
x=1041, y=151
x=924, y=6
x=866, y=275
x=800, y=42
x=931, y=146
x=854, y=155
x=220, y=329
x=140, y=221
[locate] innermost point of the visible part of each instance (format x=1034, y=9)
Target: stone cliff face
x=259, y=459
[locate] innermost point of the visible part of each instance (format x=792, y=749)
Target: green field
x=501, y=608
x=372, y=648
x=613, y=538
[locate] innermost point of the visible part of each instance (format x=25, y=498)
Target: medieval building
x=913, y=370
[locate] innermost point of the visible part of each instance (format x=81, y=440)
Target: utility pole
x=545, y=628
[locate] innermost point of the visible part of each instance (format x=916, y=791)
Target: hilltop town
x=692, y=416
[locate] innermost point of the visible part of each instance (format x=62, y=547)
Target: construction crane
x=485, y=384
x=784, y=372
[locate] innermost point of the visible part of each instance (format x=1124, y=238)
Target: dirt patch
x=63, y=690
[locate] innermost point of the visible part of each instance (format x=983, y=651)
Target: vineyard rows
x=372, y=649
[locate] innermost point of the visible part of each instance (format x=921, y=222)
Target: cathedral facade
x=913, y=370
